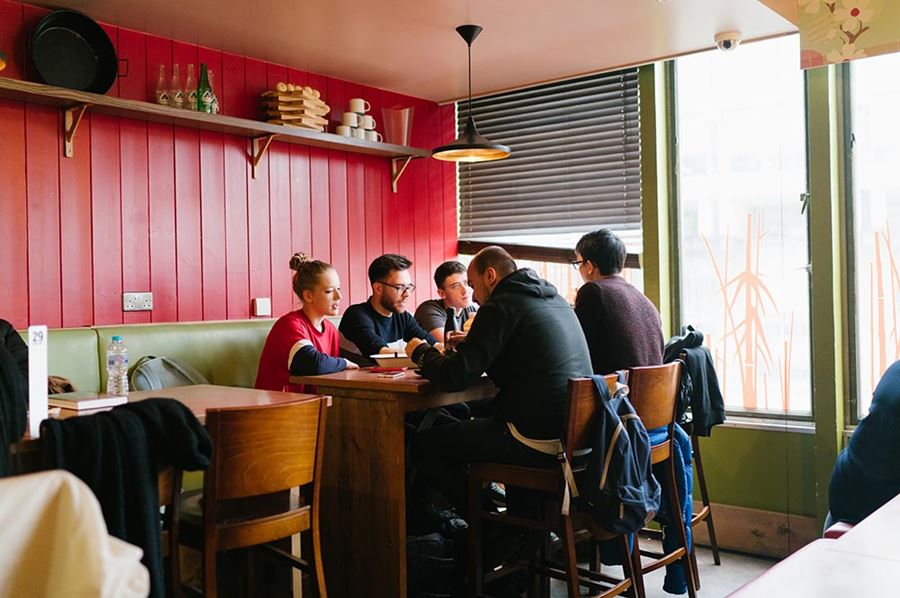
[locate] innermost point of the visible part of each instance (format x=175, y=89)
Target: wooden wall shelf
x=74, y=103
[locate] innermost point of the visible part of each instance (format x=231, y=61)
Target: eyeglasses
x=577, y=263
x=400, y=288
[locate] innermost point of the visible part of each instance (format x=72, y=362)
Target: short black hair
x=382, y=266
x=494, y=257
x=603, y=249
x=447, y=269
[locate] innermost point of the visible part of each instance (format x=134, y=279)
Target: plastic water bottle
x=117, y=368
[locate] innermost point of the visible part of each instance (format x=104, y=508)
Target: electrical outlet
x=137, y=301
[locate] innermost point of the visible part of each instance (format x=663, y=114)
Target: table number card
x=37, y=378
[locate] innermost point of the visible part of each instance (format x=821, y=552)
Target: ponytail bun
x=297, y=261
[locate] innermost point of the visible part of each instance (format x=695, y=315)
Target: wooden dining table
x=363, y=508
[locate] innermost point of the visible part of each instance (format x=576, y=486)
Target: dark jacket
x=13, y=391
x=118, y=454
x=867, y=472
x=528, y=340
x=700, y=383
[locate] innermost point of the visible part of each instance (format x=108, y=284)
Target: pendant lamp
x=470, y=146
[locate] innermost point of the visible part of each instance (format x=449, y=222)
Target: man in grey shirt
x=434, y=315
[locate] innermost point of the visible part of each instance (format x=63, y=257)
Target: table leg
x=363, y=512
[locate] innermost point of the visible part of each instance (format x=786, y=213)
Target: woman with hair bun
x=304, y=342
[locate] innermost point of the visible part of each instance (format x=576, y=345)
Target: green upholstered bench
x=225, y=352
x=72, y=352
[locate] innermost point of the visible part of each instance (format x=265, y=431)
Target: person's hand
x=351, y=365
x=454, y=338
x=412, y=344
x=388, y=351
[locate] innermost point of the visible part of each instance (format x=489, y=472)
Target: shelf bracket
x=259, y=150
x=72, y=120
x=397, y=170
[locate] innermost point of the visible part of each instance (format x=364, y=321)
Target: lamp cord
x=470, y=79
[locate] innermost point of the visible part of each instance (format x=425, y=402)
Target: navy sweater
x=370, y=331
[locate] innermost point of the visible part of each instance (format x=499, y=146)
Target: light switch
x=261, y=306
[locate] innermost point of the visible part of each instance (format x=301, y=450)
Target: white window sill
x=769, y=424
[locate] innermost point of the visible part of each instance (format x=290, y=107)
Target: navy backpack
x=618, y=488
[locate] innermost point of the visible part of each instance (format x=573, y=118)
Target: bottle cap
x=116, y=338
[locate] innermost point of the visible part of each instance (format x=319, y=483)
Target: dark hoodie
x=528, y=340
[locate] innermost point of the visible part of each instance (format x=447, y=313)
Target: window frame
x=675, y=230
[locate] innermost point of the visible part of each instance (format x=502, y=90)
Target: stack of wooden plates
x=295, y=105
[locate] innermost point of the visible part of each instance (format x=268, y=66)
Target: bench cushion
x=226, y=353
x=72, y=353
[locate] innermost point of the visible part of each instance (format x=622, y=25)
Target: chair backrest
x=581, y=412
x=264, y=449
x=653, y=391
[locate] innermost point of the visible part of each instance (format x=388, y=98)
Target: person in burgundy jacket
x=623, y=329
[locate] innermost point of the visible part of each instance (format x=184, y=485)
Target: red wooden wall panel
x=135, y=212
x=174, y=211
x=236, y=250
x=76, y=232
x=106, y=214
x=14, y=296
x=258, y=201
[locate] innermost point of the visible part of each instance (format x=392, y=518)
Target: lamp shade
x=470, y=146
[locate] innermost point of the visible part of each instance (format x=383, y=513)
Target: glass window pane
x=743, y=241
x=876, y=214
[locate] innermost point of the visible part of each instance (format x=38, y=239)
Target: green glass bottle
x=204, y=91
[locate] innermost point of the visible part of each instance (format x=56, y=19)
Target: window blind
x=575, y=163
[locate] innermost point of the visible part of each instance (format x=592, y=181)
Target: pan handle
x=120, y=73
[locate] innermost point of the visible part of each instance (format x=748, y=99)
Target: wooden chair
x=581, y=413
x=263, y=459
x=169, y=482
x=653, y=391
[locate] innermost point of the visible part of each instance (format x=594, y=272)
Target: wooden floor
x=716, y=582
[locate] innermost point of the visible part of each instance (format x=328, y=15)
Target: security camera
x=728, y=40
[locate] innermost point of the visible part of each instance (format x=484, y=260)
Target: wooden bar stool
x=262, y=484
x=581, y=413
x=653, y=391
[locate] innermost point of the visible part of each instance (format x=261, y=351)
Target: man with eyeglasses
x=382, y=324
x=622, y=327
x=453, y=308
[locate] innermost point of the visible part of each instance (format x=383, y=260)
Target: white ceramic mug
x=359, y=133
x=351, y=119
x=367, y=121
x=373, y=136
x=359, y=105
x=344, y=131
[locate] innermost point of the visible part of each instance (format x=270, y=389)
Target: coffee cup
x=373, y=136
x=351, y=119
x=359, y=133
x=344, y=131
x=359, y=105
x=367, y=121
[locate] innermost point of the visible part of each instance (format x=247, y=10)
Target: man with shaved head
x=528, y=340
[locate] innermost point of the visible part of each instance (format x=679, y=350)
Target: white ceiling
x=410, y=46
